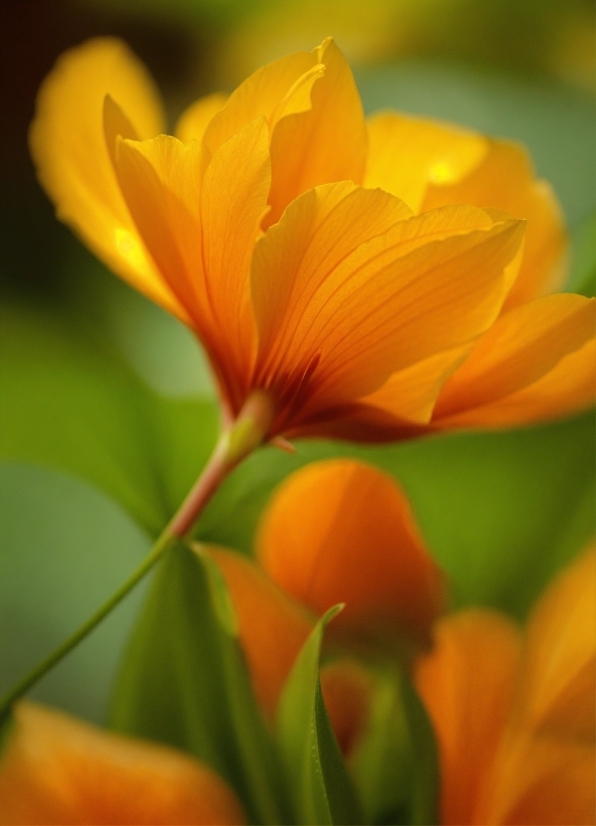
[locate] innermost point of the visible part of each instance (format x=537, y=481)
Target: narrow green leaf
x=395, y=765
x=183, y=681
x=321, y=787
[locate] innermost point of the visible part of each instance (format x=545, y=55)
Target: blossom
x=335, y=531
x=326, y=261
x=514, y=712
x=56, y=769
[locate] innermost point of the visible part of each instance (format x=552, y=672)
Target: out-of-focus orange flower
x=58, y=770
x=515, y=713
x=259, y=227
x=342, y=531
x=336, y=531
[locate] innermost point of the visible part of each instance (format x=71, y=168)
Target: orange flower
x=336, y=531
x=259, y=228
x=515, y=714
x=56, y=769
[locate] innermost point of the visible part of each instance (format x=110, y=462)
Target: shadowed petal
x=57, y=770
x=341, y=531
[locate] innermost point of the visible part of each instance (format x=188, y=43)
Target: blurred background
x=519, y=69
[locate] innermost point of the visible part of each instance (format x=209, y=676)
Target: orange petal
x=323, y=144
x=56, y=769
x=200, y=225
x=505, y=180
x=341, y=531
x=467, y=684
x=273, y=628
x=537, y=782
x=274, y=91
x=558, y=689
x=522, y=346
x=196, y=118
x=568, y=388
x=427, y=284
x=410, y=394
x=406, y=155
x=73, y=162
x=347, y=690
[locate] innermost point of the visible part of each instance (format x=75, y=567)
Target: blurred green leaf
x=183, y=682
x=495, y=508
x=71, y=403
x=317, y=775
x=555, y=122
x=582, y=278
x=64, y=548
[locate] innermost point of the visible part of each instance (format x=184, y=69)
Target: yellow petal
x=56, y=769
x=200, y=227
x=427, y=284
x=467, y=684
x=566, y=389
x=523, y=345
x=408, y=154
x=323, y=144
x=558, y=690
x=341, y=531
x=273, y=91
x=196, y=118
x=73, y=162
x=505, y=180
x=273, y=628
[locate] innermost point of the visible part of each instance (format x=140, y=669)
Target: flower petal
x=347, y=690
x=505, y=180
x=73, y=163
x=427, y=284
x=539, y=782
x=558, y=690
x=273, y=628
x=523, y=345
x=324, y=144
x=467, y=684
x=406, y=155
x=410, y=394
x=200, y=226
x=56, y=769
x=341, y=531
x=194, y=121
x=566, y=389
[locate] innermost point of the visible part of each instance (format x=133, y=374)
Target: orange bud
x=341, y=531
x=59, y=770
x=273, y=628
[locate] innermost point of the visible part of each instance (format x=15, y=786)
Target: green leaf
x=501, y=511
x=64, y=549
x=183, y=682
x=395, y=764
x=317, y=775
x=71, y=403
x=583, y=258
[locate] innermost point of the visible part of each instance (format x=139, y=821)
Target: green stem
x=233, y=447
